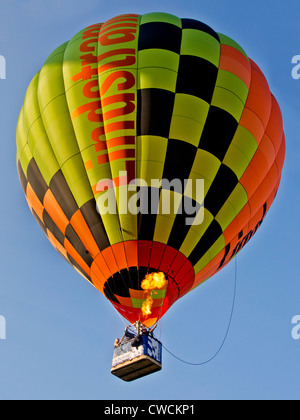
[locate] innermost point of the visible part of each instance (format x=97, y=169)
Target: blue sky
x=60, y=330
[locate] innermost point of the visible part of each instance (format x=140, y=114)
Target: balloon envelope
x=149, y=144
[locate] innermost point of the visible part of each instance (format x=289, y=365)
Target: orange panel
x=144, y=251
x=187, y=283
x=101, y=263
x=157, y=252
x=281, y=154
x=131, y=253
x=188, y=278
x=119, y=253
x=184, y=270
x=257, y=201
x=34, y=202
x=264, y=190
x=254, y=173
x=97, y=277
x=259, y=98
x=88, y=165
x=267, y=148
x=55, y=211
x=177, y=264
x=118, y=25
x=235, y=62
x=102, y=159
x=252, y=123
x=210, y=269
x=74, y=254
x=81, y=228
x=272, y=195
x=250, y=180
x=168, y=258
x=110, y=260
x=138, y=294
x=157, y=303
x=124, y=301
x=235, y=226
x=57, y=245
x=275, y=125
x=255, y=221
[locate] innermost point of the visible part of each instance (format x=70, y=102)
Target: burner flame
x=153, y=281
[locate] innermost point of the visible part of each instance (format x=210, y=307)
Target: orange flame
x=152, y=281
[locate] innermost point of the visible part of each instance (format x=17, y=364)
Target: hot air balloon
x=139, y=99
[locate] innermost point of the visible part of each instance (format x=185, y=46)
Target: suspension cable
x=226, y=333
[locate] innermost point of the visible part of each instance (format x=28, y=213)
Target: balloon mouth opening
x=144, y=280
x=143, y=298
x=148, y=301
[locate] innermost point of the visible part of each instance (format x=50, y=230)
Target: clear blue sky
x=60, y=330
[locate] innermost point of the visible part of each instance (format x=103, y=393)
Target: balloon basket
x=136, y=358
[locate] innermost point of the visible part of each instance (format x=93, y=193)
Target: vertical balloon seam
x=122, y=242
x=177, y=252
x=138, y=18
x=104, y=134
x=139, y=154
x=214, y=89
x=138, y=165
x=169, y=278
x=165, y=245
x=169, y=143
x=108, y=284
x=162, y=18
x=177, y=219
